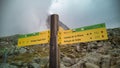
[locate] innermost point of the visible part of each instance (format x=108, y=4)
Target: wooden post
x=54, y=55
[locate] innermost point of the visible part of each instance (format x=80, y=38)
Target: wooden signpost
x=54, y=36
x=54, y=57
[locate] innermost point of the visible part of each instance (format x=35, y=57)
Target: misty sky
x=26, y=16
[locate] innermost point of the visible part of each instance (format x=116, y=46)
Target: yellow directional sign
x=83, y=34
x=34, y=38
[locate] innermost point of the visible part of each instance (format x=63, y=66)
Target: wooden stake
x=54, y=55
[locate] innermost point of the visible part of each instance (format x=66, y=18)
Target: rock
x=118, y=61
x=62, y=65
x=31, y=50
x=19, y=63
x=36, y=60
x=115, y=66
x=67, y=61
x=11, y=52
x=100, y=44
x=4, y=65
x=61, y=55
x=104, y=49
x=84, y=64
x=22, y=50
x=16, y=51
x=29, y=65
x=84, y=50
x=105, y=61
x=92, y=46
x=12, y=66
x=114, y=52
x=77, y=65
x=90, y=65
x=35, y=65
x=24, y=65
x=114, y=61
x=44, y=61
x=78, y=48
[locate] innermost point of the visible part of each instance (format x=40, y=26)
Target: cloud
x=23, y=16
x=26, y=16
x=77, y=13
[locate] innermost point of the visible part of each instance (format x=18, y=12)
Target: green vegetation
x=26, y=57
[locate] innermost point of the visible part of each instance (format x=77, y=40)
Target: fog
x=26, y=16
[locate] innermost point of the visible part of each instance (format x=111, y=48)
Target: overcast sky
x=26, y=16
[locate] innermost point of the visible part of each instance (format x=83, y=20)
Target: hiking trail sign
x=83, y=34
x=57, y=36
x=34, y=38
x=77, y=35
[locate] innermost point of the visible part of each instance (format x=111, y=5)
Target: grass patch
x=26, y=57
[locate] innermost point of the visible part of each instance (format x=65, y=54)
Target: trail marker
x=34, y=38
x=84, y=34
x=62, y=37
x=77, y=35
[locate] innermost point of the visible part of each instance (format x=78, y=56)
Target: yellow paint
x=42, y=38
x=65, y=37
x=70, y=37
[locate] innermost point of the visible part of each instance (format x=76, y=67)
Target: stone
x=7, y=65
x=67, y=61
x=80, y=64
x=78, y=48
x=93, y=58
x=106, y=61
x=62, y=65
x=24, y=64
x=36, y=60
x=44, y=61
x=84, y=50
x=29, y=65
x=12, y=66
x=22, y=50
x=90, y=65
x=19, y=63
x=35, y=65
x=31, y=50
x=100, y=44
x=4, y=65
x=113, y=61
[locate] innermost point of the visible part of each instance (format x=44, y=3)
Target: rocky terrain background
x=96, y=54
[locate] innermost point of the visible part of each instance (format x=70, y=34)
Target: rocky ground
x=96, y=54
